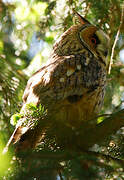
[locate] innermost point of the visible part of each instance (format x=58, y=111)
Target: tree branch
x=101, y=131
x=116, y=39
x=68, y=155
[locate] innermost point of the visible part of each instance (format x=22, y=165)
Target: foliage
x=32, y=114
x=28, y=30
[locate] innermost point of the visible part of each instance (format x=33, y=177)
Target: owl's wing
x=57, y=81
x=62, y=79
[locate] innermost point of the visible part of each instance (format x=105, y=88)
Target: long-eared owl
x=72, y=83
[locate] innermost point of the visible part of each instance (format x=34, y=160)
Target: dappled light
x=29, y=39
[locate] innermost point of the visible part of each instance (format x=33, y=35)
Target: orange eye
x=93, y=40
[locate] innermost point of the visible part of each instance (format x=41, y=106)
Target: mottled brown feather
x=71, y=84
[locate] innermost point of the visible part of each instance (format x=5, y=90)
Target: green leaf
x=14, y=119
x=31, y=106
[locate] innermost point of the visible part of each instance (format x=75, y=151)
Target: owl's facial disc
x=103, y=46
x=96, y=41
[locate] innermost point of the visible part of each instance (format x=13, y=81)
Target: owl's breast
x=73, y=86
x=77, y=109
x=82, y=91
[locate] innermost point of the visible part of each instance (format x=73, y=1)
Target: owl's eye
x=94, y=39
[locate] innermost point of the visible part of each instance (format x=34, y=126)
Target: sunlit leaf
x=4, y=160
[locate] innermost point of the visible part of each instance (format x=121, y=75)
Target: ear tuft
x=81, y=19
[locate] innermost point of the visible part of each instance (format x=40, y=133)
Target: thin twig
x=116, y=39
x=60, y=175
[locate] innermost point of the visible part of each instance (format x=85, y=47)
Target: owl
x=70, y=86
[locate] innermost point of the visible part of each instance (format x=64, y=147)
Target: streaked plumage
x=71, y=84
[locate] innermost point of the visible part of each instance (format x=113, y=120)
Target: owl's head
x=83, y=37
x=94, y=39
